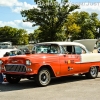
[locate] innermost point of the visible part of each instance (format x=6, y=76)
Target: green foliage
x=14, y=35
x=50, y=16
x=82, y=25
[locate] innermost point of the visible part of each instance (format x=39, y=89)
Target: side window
x=79, y=50
x=68, y=49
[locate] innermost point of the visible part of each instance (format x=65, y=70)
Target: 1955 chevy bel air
x=52, y=59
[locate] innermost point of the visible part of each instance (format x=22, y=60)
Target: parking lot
x=66, y=88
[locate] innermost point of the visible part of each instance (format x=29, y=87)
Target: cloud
x=88, y=7
x=16, y=6
x=10, y=3
x=19, y=24
x=24, y=6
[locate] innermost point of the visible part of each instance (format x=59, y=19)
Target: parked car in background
x=5, y=54
x=59, y=59
x=24, y=49
x=5, y=45
x=10, y=52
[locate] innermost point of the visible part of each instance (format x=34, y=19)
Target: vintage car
x=57, y=60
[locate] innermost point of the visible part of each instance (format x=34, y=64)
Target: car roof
x=64, y=43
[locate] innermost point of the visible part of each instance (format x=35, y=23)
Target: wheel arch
x=49, y=68
x=97, y=66
x=92, y=73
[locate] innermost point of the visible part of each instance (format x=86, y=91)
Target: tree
x=22, y=37
x=71, y=27
x=82, y=25
x=14, y=35
x=50, y=16
x=37, y=35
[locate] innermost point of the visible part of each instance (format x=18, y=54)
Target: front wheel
x=43, y=78
x=93, y=73
x=13, y=79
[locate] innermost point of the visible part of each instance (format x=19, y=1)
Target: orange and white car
x=52, y=59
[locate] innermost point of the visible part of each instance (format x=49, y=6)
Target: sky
x=10, y=11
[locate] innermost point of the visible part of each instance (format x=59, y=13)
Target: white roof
x=85, y=43
x=64, y=43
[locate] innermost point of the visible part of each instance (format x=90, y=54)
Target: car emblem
x=14, y=61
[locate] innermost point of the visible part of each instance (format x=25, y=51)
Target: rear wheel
x=43, y=77
x=93, y=73
x=13, y=79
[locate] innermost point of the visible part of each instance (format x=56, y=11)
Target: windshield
x=46, y=48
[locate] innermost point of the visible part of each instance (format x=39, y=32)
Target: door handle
x=70, y=68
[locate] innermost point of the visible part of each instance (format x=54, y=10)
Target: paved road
x=66, y=88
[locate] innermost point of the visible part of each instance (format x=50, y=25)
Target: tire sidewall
x=46, y=74
x=93, y=74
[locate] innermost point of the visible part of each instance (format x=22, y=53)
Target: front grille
x=15, y=68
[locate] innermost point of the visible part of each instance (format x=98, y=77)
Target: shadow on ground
x=26, y=84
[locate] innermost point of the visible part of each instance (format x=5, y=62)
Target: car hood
x=34, y=57
x=88, y=43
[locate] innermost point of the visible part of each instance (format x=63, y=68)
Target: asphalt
x=65, y=88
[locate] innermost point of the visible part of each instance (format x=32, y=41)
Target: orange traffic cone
x=4, y=79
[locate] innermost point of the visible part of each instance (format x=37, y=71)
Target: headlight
x=1, y=62
x=28, y=62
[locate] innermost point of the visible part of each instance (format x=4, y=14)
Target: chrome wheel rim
x=93, y=71
x=44, y=77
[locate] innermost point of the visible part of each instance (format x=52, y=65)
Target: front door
x=70, y=61
x=69, y=64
